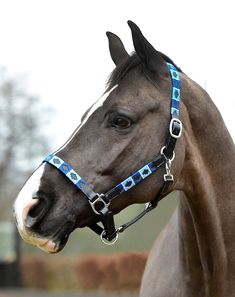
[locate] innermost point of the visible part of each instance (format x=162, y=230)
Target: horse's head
x=125, y=129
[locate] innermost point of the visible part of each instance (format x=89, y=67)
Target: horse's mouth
x=58, y=241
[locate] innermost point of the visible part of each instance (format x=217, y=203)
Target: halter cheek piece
x=100, y=202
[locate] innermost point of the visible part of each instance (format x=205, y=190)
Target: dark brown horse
x=125, y=129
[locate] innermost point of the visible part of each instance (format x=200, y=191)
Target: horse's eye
x=121, y=122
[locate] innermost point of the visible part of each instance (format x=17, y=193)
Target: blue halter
x=100, y=202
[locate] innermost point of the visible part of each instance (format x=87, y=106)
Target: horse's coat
x=195, y=254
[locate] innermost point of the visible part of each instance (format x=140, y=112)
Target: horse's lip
x=61, y=236
x=48, y=246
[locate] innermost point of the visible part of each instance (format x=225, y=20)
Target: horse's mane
x=123, y=68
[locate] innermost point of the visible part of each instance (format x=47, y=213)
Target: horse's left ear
x=117, y=50
x=146, y=52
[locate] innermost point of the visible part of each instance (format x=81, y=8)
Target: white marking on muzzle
x=93, y=108
x=24, y=198
x=22, y=205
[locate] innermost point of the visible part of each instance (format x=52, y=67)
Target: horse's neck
x=208, y=181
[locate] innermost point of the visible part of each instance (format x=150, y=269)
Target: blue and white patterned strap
x=136, y=177
x=175, y=93
x=69, y=172
x=71, y=175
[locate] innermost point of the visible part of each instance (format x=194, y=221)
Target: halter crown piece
x=100, y=202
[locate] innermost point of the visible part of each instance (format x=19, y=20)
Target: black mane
x=133, y=60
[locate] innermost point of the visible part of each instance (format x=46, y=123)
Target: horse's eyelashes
x=122, y=122
x=119, y=121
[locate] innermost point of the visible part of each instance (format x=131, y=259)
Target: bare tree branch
x=21, y=139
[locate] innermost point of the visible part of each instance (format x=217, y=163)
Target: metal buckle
x=98, y=199
x=171, y=128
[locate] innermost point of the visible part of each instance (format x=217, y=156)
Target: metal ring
x=162, y=153
x=105, y=241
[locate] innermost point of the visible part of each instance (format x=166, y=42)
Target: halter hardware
x=175, y=128
x=99, y=205
x=100, y=202
x=168, y=176
x=107, y=241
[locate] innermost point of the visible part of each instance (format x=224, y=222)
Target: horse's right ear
x=146, y=52
x=116, y=48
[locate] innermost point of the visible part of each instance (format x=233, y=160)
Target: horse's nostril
x=37, y=208
x=36, y=212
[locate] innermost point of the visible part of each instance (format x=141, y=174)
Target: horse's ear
x=116, y=48
x=146, y=52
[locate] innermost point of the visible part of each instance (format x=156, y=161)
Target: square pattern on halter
x=175, y=95
x=66, y=169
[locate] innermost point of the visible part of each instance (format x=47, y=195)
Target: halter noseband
x=100, y=202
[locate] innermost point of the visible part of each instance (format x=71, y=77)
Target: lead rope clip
x=168, y=176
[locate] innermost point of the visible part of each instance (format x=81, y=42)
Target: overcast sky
x=62, y=47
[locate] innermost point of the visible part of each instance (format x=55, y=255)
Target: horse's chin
x=58, y=241
x=53, y=247
x=50, y=244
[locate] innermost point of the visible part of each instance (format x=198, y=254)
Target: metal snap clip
x=168, y=176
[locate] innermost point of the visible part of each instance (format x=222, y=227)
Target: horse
x=152, y=116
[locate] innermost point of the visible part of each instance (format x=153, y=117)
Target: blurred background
x=54, y=63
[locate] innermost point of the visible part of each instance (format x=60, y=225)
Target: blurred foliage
x=116, y=272
x=22, y=117
x=119, y=272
